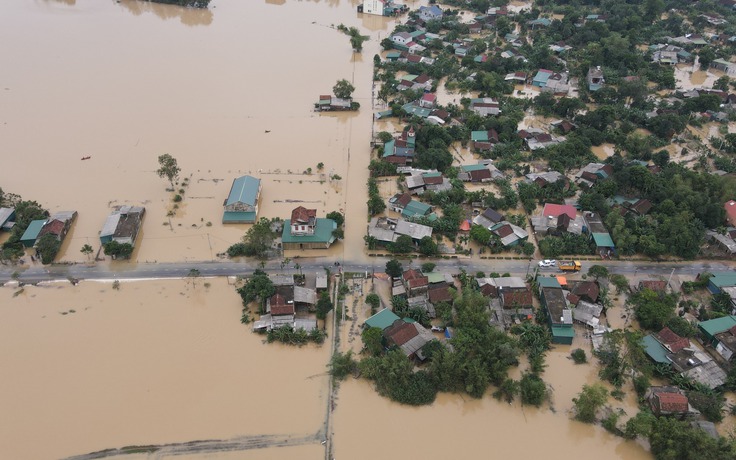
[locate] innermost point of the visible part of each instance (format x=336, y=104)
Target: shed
x=563, y=335
x=29, y=236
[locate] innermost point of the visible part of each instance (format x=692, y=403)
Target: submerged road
x=133, y=271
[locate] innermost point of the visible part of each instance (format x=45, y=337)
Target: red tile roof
x=302, y=214
x=654, y=285
x=440, y=294
x=514, y=299
x=279, y=306
x=671, y=402
x=504, y=231
x=412, y=274
x=489, y=290
x=730, y=207
x=55, y=227
x=554, y=210
x=401, y=332
x=587, y=289
x=672, y=340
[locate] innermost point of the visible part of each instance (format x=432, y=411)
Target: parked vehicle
x=547, y=263
x=570, y=265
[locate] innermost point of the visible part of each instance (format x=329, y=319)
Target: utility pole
x=670, y=279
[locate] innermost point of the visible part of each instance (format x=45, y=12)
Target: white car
x=438, y=329
x=547, y=263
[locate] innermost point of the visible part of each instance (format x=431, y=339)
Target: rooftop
x=244, y=190
x=322, y=233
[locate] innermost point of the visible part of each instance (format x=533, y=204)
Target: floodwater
x=602, y=151
x=208, y=88
x=90, y=367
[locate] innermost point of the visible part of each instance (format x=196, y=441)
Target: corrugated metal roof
x=244, y=190
x=655, y=350
x=322, y=233
x=111, y=224
x=715, y=326
x=382, y=319
x=33, y=229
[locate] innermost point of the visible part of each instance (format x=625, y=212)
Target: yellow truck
x=569, y=265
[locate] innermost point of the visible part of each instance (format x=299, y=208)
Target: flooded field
x=203, y=86
x=149, y=363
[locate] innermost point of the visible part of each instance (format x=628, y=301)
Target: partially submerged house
x=30, y=236
x=488, y=218
x=381, y=7
x=485, y=106
x=409, y=336
x=400, y=151
x=386, y=230
x=290, y=305
x=595, y=79
x=481, y=172
x=7, y=216
x=670, y=401
x=720, y=333
x=331, y=103
x=306, y=231
x=408, y=207
x=603, y=241
x=556, y=219
x=559, y=315
x=510, y=234
x=58, y=224
x=123, y=225
x=241, y=205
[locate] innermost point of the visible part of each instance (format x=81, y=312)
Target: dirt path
x=238, y=444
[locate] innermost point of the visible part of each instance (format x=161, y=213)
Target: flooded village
x=335, y=228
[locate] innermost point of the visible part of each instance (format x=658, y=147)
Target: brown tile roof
x=489, y=290
x=480, y=174
x=671, y=402
x=418, y=282
x=586, y=290
x=302, y=214
x=672, y=340
x=654, y=285
x=400, y=332
x=440, y=294
x=573, y=299
x=412, y=274
x=403, y=200
x=514, y=299
x=642, y=206
x=504, y=231
x=279, y=305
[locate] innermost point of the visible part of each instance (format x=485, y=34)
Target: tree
x=343, y=89
x=428, y=267
x=533, y=389
x=48, y=246
x=403, y=245
x=87, y=250
x=337, y=217
x=620, y=282
x=598, y=271
x=653, y=309
x=428, y=247
x=258, y=287
x=324, y=305
x=341, y=365
x=589, y=400
x=373, y=340
x=256, y=242
x=672, y=439
x=578, y=356
x=118, y=250
x=373, y=300
x=168, y=168
x=394, y=268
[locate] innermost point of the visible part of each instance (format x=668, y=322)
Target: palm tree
x=87, y=250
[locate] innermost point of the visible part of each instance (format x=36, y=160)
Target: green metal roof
x=548, y=281
x=723, y=279
x=479, y=136
x=434, y=277
x=322, y=233
x=388, y=148
x=478, y=167
x=655, y=350
x=416, y=208
x=558, y=331
x=603, y=240
x=33, y=229
x=432, y=174
x=718, y=325
x=382, y=319
x=244, y=190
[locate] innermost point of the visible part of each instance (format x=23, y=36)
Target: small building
x=410, y=337
x=331, y=103
x=510, y=234
x=7, y=216
x=488, y=218
x=408, y=207
x=381, y=8
x=430, y=13
x=587, y=313
x=241, y=205
x=485, y=106
x=305, y=231
x=479, y=173
x=415, y=282
x=669, y=401
x=123, y=225
x=603, y=241
x=30, y=236
x=711, y=328
x=595, y=79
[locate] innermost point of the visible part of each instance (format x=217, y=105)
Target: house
x=587, y=313
x=383, y=319
x=516, y=77
x=305, y=231
x=671, y=341
x=729, y=68
x=488, y=218
x=669, y=401
x=58, y=224
x=510, y=234
x=556, y=219
x=410, y=337
x=545, y=178
x=592, y=173
x=483, y=141
x=436, y=182
x=541, y=78
x=536, y=139
x=415, y=282
x=428, y=100
x=30, y=236
x=603, y=241
x=439, y=293
x=585, y=290
x=558, y=84
x=401, y=38
x=479, y=173
x=485, y=106
x=430, y=13
x=123, y=225
x=334, y=104
x=539, y=23
x=711, y=328
x=400, y=151
x=409, y=208
x=386, y=230
x=241, y=206
x=730, y=208
x=558, y=314
x=595, y=79
x=7, y=216
x=381, y=8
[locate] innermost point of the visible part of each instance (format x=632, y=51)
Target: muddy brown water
x=228, y=91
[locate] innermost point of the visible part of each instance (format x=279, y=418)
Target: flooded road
x=227, y=91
